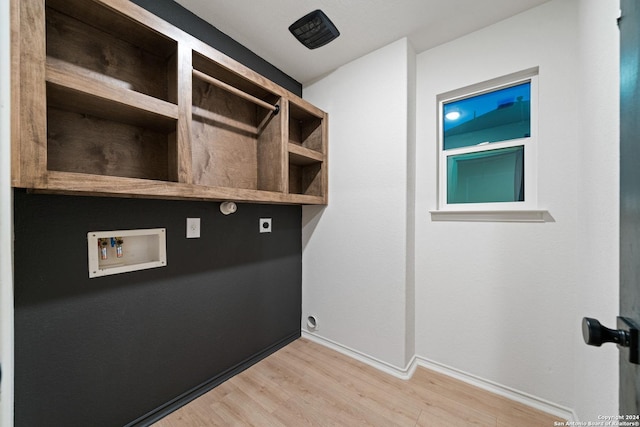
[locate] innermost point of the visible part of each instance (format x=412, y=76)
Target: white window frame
x=530, y=146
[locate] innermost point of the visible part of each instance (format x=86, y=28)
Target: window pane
x=486, y=177
x=491, y=117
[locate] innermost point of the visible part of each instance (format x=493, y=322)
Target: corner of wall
x=596, y=371
x=410, y=320
x=6, y=223
x=357, y=276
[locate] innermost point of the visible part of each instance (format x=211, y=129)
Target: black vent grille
x=314, y=29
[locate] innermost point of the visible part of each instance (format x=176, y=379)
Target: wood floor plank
x=317, y=388
x=298, y=412
x=307, y=384
x=476, y=398
x=350, y=385
x=261, y=393
x=241, y=410
x=438, y=410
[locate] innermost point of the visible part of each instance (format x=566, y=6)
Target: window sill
x=493, y=216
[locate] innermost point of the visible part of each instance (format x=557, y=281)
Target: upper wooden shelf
x=231, y=89
x=115, y=101
x=75, y=90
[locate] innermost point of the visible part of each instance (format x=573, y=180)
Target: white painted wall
x=595, y=369
x=410, y=342
x=505, y=291
x=6, y=226
x=355, y=250
x=513, y=292
x=499, y=301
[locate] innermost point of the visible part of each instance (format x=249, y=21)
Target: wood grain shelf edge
x=100, y=185
x=300, y=155
x=64, y=75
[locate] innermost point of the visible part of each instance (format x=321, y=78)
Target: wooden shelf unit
x=307, y=150
x=112, y=100
x=236, y=131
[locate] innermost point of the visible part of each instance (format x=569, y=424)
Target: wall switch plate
x=265, y=225
x=193, y=228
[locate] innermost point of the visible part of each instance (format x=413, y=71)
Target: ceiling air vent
x=314, y=29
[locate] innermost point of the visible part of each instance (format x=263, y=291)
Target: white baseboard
x=402, y=373
x=499, y=389
x=407, y=372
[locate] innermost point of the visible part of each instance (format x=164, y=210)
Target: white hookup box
x=121, y=251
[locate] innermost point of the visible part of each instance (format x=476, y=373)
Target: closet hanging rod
x=207, y=78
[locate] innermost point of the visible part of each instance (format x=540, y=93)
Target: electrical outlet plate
x=193, y=228
x=265, y=225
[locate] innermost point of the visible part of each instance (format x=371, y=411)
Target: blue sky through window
x=479, y=105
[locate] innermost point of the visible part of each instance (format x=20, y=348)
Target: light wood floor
x=306, y=384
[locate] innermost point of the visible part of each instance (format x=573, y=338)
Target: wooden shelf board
x=214, y=63
x=299, y=155
x=108, y=16
x=302, y=109
x=305, y=199
x=231, y=89
x=99, y=185
x=77, y=91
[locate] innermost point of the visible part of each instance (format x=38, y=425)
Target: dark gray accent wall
x=129, y=348
x=108, y=351
x=177, y=15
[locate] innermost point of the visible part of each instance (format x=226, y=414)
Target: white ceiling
x=364, y=25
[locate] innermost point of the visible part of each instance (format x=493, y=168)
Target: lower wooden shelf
x=99, y=185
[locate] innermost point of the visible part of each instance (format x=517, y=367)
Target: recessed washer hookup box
x=121, y=251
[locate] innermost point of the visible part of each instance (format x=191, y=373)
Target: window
x=487, y=143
